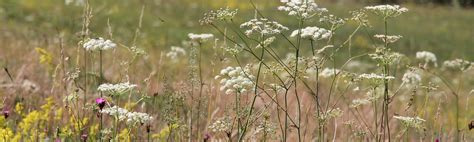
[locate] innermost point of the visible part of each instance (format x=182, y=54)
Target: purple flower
x=84, y=137
x=100, y=102
x=207, y=137
x=6, y=113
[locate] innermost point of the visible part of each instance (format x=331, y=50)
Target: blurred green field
x=442, y=30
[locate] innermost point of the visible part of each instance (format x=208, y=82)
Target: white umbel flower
x=314, y=33
x=388, y=38
x=134, y=118
x=387, y=11
x=411, y=77
x=427, y=57
x=458, y=64
x=303, y=9
x=327, y=72
x=99, y=44
x=200, y=37
x=235, y=80
x=413, y=122
x=175, y=53
x=262, y=26
x=116, y=89
x=119, y=113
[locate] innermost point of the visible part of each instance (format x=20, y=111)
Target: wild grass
x=343, y=84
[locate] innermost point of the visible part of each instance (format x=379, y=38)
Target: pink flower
x=100, y=102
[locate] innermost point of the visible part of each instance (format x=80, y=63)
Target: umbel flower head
x=413, y=122
x=427, y=57
x=388, y=38
x=131, y=118
x=200, y=37
x=221, y=14
x=387, y=11
x=411, y=78
x=99, y=44
x=302, y=9
x=313, y=33
x=116, y=89
x=235, y=80
x=262, y=26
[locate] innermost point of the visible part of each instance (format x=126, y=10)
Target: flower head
x=427, y=57
x=387, y=11
x=200, y=37
x=302, y=9
x=262, y=26
x=98, y=44
x=413, y=122
x=100, y=102
x=388, y=38
x=6, y=113
x=458, y=64
x=313, y=33
x=235, y=80
x=116, y=89
x=411, y=77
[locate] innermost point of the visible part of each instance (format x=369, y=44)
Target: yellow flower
x=19, y=109
x=164, y=132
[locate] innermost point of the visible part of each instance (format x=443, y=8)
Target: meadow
x=234, y=70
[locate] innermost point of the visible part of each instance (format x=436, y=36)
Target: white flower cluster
x=132, y=118
x=388, y=38
x=99, y=44
x=314, y=33
x=235, y=80
x=200, y=37
x=223, y=125
x=327, y=72
x=119, y=113
x=413, y=122
x=359, y=102
x=427, y=57
x=75, y=2
x=333, y=20
x=262, y=26
x=116, y=89
x=387, y=11
x=411, y=77
x=303, y=9
x=375, y=79
x=266, y=42
x=333, y=113
x=175, y=52
x=460, y=64
x=375, y=76
x=221, y=14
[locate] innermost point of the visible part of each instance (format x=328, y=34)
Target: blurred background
x=440, y=26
